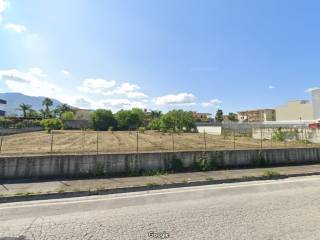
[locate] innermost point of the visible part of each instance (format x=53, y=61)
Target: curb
x=85, y=193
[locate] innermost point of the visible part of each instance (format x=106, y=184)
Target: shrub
x=142, y=129
x=270, y=174
x=278, y=135
x=68, y=115
x=176, y=164
x=51, y=124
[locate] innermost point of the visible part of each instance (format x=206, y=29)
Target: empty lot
x=86, y=142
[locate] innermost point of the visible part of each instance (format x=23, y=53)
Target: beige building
x=258, y=115
x=295, y=110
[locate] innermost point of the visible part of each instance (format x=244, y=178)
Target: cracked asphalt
x=274, y=209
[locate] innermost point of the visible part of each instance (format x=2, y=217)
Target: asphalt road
x=279, y=209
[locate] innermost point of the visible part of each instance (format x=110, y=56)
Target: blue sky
x=196, y=55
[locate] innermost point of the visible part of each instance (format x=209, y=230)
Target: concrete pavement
x=274, y=209
x=25, y=189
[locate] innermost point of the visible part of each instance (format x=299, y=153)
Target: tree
x=47, y=103
x=177, y=120
x=59, y=110
x=51, y=124
x=232, y=117
x=155, y=114
x=33, y=114
x=155, y=124
x=129, y=119
x=25, y=108
x=101, y=120
x=68, y=115
x=219, y=116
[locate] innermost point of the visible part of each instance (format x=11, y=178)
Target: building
x=258, y=115
x=2, y=103
x=295, y=110
x=316, y=103
x=201, y=117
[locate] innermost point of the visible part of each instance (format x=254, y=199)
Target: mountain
x=14, y=99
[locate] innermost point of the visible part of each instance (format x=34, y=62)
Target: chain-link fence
x=93, y=142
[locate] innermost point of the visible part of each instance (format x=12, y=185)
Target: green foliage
x=278, y=135
x=270, y=173
x=67, y=115
x=232, y=117
x=59, y=110
x=142, y=129
x=51, y=124
x=8, y=123
x=219, y=116
x=24, y=108
x=129, y=119
x=102, y=120
x=204, y=164
x=177, y=120
x=155, y=124
x=47, y=103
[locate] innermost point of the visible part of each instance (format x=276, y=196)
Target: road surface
x=275, y=209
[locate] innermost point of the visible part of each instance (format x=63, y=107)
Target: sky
x=196, y=55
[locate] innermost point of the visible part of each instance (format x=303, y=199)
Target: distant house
x=257, y=115
x=83, y=114
x=2, y=103
x=201, y=117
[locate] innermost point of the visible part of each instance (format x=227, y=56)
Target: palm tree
x=155, y=114
x=47, y=102
x=24, y=108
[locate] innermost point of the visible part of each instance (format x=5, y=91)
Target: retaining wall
x=110, y=164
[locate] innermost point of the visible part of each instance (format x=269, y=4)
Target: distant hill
x=14, y=99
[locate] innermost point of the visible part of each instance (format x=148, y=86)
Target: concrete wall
x=295, y=110
x=214, y=130
x=10, y=131
x=78, y=165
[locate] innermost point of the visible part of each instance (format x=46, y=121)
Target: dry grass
x=86, y=142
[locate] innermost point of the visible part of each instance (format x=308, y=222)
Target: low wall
x=10, y=131
x=112, y=164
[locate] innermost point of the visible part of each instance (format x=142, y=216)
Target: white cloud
x=212, y=102
x=30, y=82
x=271, y=87
x=37, y=72
x=96, y=85
x=82, y=102
x=136, y=95
x=124, y=88
x=15, y=27
x=117, y=104
x=3, y=5
x=309, y=90
x=171, y=99
x=65, y=72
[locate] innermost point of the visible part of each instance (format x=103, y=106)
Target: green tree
x=33, y=114
x=102, y=120
x=155, y=124
x=51, y=124
x=59, y=110
x=47, y=103
x=25, y=108
x=232, y=117
x=219, y=116
x=129, y=119
x=177, y=120
x=68, y=115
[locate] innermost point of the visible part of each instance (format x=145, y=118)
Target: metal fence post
x=83, y=140
x=1, y=141
x=51, y=143
x=205, y=140
x=97, y=142
x=261, y=141
x=137, y=141
x=234, y=138
x=172, y=141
